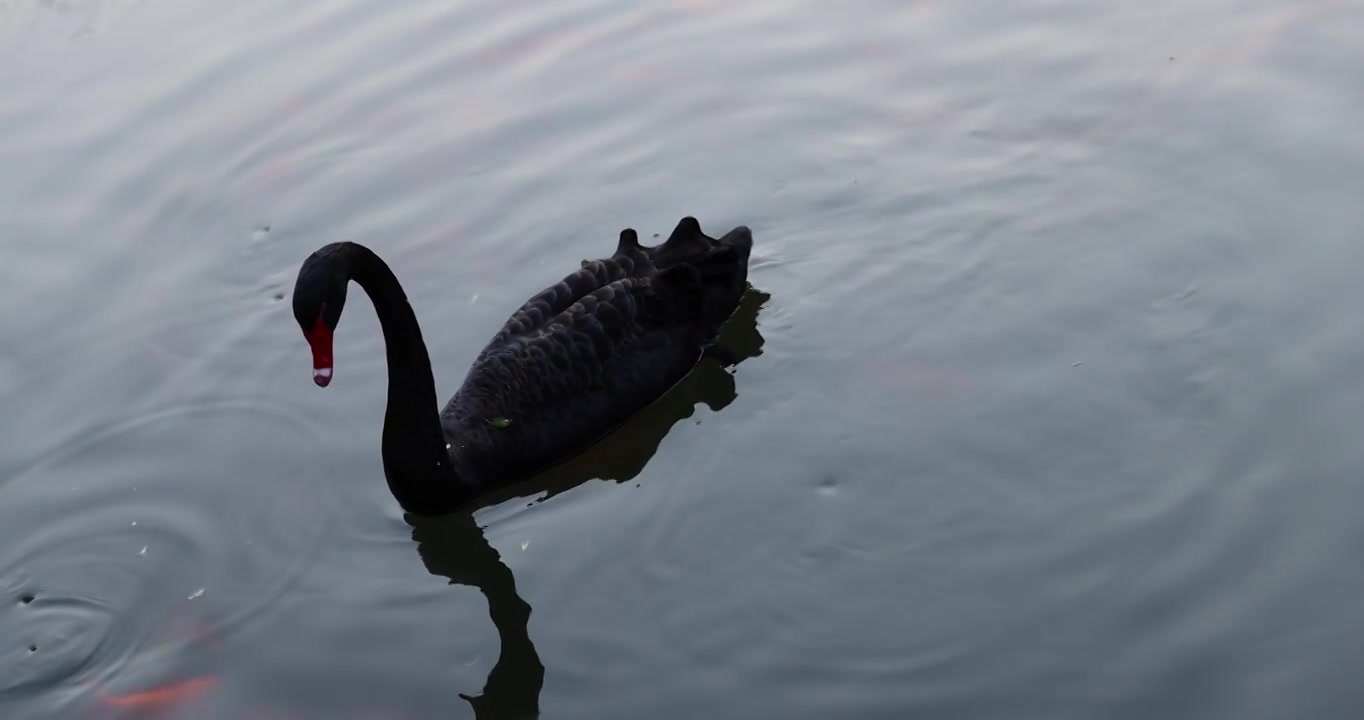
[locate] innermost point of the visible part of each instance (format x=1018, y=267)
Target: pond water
x=1050, y=401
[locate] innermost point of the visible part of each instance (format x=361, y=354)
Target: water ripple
x=130, y=537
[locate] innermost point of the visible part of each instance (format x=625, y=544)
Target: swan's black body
x=571, y=364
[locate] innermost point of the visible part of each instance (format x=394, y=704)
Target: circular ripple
x=137, y=550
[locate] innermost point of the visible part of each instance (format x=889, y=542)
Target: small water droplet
x=197, y=594
x=1077, y=363
x=828, y=486
x=279, y=296
x=134, y=523
x=27, y=599
x=473, y=299
x=142, y=552
x=33, y=648
x=525, y=544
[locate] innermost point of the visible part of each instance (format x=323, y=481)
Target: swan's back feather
x=556, y=298
x=628, y=244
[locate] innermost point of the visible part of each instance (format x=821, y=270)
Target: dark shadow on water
x=454, y=547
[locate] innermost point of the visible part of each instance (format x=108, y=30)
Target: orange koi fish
x=161, y=698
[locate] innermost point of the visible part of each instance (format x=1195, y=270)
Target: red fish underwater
x=161, y=699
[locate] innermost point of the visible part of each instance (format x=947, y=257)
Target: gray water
x=1050, y=404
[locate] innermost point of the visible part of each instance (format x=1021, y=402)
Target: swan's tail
x=724, y=274
x=720, y=266
x=681, y=286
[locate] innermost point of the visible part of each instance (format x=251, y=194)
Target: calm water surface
x=1051, y=405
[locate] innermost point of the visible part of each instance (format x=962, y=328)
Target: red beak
x=320, y=340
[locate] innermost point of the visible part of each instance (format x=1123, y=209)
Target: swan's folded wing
x=549, y=391
x=619, y=338
x=686, y=245
x=559, y=297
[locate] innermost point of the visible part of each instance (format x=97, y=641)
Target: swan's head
x=319, y=296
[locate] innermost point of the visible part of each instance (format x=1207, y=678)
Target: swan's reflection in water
x=453, y=546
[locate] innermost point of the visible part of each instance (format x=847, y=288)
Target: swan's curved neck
x=416, y=457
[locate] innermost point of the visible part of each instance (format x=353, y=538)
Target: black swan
x=569, y=366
